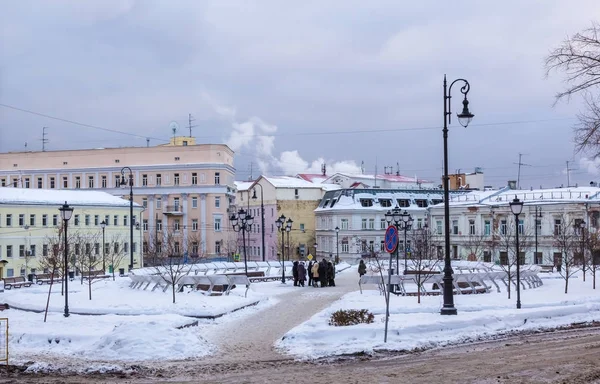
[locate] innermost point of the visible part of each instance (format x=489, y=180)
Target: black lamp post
x=538, y=216
x=103, y=226
x=123, y=183
x=65, y=213
x=262, y=219
x=402, y=221
x=281, y=227
x=288, y=229
x=516, y=206
x=337, y=243
x=464, y=118
x=582, y=227
x=242, y=222
x=316, y=250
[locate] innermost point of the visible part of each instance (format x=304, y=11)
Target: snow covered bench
x=16, y=282
x=46, y=278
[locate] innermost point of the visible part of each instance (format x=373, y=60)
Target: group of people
x=319, y=273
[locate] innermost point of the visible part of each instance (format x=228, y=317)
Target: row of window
x=103, y=182
x=177, y=203
x=88, y=248
x=503, y=227
x=367, y=224
x=177, y=248
x=76, y=220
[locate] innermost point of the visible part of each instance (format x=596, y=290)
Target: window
x=65, y=182
x=9, y=251
x=32, y=220
x=76, y=220
x=217, y=247
x=419, y=223
x=145, y=202
x=194, y=178
x=344, y=223
x=96, y=220
x=87, y=220
x=116, y=249
x=176, y=248
x=194, y=247
x=117, y=181
x=145, y=246
x=382, y=224
x=96, y=249
x=117, y=161
x=345, y=247
x=44, y=220
x=27, y=182
x=194, y=202
x=366, y=202
x=176, y=225
x=301, y=228
x=176, y=179
x=217, y=202
x=538, y=225
x=21, y=220
x=421, y=203
x=9, y=220
x=217, y=224
x=521, y=227
x=77, y=182
x=145, y=225
x=487, y=256
x=3, y=182
x=21, y=250
x=134, y=247
x=39, y=182
x=125, y=247
x=158, y=203
x=15, y=183
x=386, y=203
x=90, y=181
x=471, y=227
x=503, y=227
x=45, y=250
x=371, y=224
x=144, y=180
x=194, y=225
x=159, y=225
x=125, y=220
x=217, y=178
x=403, y=203
x=103, y=178
x=364, y=224
x=158, y=179
x=455, y=227
x=55, y=220
x=10, y=272
x=116, y=220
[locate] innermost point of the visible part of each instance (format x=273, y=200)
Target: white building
x=485, y=217
x=386, y=181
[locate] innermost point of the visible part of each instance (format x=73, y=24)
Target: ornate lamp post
x=516, y=206
x=242, y=222
x=281, y=227
x=288, y=228
x=402, y=221
x=123, y=183
x=262, y=218
x=337, y=243
x=582, y=228
x=65, y=213
x=103, y=226
x=464, y=118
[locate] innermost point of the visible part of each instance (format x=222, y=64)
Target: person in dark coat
x=362, y=268
x=330, y=274
x=301, y=274
x=323, y=273
x=295, y=273
x=310, y=274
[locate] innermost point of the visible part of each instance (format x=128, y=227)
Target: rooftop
x=58, y=197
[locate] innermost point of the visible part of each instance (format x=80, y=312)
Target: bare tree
x=170, y=263
x=424, y=258
x=592, y=246
x=89, y=261
x=475, y=246
x=578, y=57
x=115, y=252
x=567, y=241
x=53, y=260
x=506, y=244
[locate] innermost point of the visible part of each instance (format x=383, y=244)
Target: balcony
x=175, y=210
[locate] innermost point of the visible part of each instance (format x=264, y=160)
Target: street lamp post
x=464, y=118
x=288, y=229
x=337, y=243
x=538, y=216
x=123, y=183
x=262, y=219
x=103, y=226
x=65, y=213
x=281, y=226
x=516, y=206
x=316, y=250
x=402, y=221
x=582, y=227
x=242, y=222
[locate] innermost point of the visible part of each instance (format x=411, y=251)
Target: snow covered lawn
x=413, y=325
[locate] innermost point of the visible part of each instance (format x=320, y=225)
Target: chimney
x=512, y=184
x=593, y=184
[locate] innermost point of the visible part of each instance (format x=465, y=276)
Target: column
x=203, y=221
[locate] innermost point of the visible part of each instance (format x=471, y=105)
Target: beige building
x=185, y=188
x=30, y=222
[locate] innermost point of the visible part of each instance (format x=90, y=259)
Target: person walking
x=310, y=273
x=323, y=273
x=315, y=272
x=330, y=274
x=301, y=274
x=295, y=273
x=362, y=268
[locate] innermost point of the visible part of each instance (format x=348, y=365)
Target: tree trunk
x=566, y=283
x=173, y=292
x=90, y=286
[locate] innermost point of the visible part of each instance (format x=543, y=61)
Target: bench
x=94, y=275
x=46, y=278
x=16, y=282
x=546, y=268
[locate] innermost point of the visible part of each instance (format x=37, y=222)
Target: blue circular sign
x=391, y=239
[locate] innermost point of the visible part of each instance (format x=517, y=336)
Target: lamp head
x=288, y=225
x=516, y=206
x=233, y=219
x=337, y=229
x=254, y=194
x=103, y=224
x=66, y=212
x=465, y=117
x=582, y=224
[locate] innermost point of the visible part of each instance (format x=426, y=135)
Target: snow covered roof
x=243, y=185
x=59, y=196
x=290, y=182
x=392, y=178
x=316, y=178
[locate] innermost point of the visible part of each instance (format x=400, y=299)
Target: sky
x=292, y=85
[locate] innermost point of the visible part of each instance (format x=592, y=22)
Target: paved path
x=252, y=338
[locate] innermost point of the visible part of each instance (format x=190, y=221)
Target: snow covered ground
x=413, y=325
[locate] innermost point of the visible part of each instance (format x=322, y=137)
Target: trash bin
x=121, y=271
x=71, y=275
x=110, y=269
x=30, y=277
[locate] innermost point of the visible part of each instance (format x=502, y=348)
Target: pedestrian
x=315, y=272
x=330, y=274
x=323, y=273
x=301, y=274
x=295, y=273
x=362, y=268
x=310, y=273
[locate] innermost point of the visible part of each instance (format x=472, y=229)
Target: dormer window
x=366, y=202
x=422, y=203
x=387, y=203
x=403, y=203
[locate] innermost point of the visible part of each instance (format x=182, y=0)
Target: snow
x=59, y=197
x=415, y=326
x=290, y=182
x=243, y=185
x=534, y=196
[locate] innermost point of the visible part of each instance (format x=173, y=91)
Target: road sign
x=309, y=257
x=236, y=257
x=391, y=239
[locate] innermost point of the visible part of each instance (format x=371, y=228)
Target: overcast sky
x=289, y=85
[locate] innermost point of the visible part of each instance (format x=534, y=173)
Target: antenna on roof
x=375, y=175
x=397, y=169
x=147, y=142
x=324, y=169
x=519, y=172
x=190, y=126
x=44, y=140
x=362, y=167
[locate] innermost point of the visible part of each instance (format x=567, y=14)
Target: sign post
x=391, y=244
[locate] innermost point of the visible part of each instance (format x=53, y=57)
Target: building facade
x=185, y=188
x=30, y=223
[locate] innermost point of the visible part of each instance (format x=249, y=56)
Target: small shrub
x=345, y=317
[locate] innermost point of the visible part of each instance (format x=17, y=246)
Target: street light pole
x=281, y=227
x=123, y=182
x=337, y=243
x=538, y=215
x=242, y=222
x=464, y=118
x=582, y=226
x=66, y=212
x=262, y=219
x=103, y=226
x=516, y=206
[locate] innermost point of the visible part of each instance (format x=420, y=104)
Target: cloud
x=591, y=166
